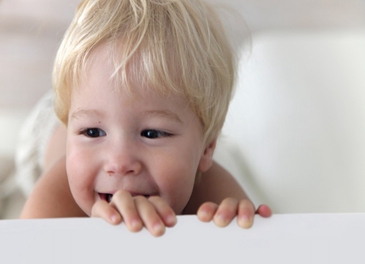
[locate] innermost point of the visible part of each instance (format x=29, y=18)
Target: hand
x=228, y=209
x=136, y=212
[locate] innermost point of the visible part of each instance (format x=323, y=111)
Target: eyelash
x=100, y=132
x=148, y=133
x=156, y=134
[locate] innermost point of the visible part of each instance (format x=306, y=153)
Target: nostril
x=122, y=166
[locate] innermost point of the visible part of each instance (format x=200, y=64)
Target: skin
x=146, y=153
x=142, y=143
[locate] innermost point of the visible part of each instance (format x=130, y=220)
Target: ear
x=206, y=160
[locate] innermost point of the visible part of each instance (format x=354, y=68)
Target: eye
x=152, y=133
x=93, y=132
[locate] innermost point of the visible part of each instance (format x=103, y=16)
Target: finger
x=207, y=211
x=124, y=203
x=227, y=210
x=102, y=209
x=165, y=212
x=246, y=212
x=264, y=211
x=149, y=216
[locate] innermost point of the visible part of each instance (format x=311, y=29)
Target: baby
x=143, y=87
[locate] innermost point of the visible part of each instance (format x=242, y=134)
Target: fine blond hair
x=179, y=46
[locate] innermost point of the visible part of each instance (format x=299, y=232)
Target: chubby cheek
x=80, y=173
x=177, y=181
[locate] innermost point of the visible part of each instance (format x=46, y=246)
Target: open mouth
x=108, y=196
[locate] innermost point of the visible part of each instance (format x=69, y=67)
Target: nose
x=122, y=158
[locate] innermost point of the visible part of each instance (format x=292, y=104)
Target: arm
x=214, y=186
x=212, y=189
x=51, y=196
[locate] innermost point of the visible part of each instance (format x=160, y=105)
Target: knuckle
x=158, y=202
x=246, y=205
x=121, y=194
x=140, y=199
x=229, y=202
x=155, y=198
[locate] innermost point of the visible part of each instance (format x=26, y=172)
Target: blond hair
x=179, y=46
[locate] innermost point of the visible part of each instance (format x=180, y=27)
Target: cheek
x=176, y=187
x=75, y=163
x=81, y=176
x=176, y=177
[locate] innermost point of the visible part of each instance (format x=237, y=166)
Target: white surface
x=327, y=238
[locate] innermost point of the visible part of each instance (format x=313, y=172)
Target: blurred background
x=295, y=133
x=30, y=33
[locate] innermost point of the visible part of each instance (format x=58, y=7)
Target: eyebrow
x=98, y=114
x=165, y=114
x=86, y=112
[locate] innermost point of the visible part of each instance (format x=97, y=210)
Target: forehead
x=127, y=69
x=102, y=77
x=98, y=97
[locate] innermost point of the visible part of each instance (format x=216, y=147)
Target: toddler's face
x=144, y=143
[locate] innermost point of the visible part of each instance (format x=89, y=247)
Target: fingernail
x=158, y=229
x=171, y=219
x=114, y=218
x=245, y=221
x=203, y=213
x=136, y=224
x=220, y=220
x=244, y=218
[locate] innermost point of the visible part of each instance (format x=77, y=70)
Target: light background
x=31, y=30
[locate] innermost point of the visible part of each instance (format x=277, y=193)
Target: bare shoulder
x=214, y=186
x=51, y=196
